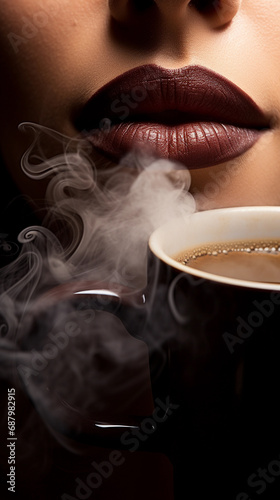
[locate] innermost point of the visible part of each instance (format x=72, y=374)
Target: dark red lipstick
x=191, y=115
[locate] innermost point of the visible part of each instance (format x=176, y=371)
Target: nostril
x=141, y=5
x=125, y=10
x=205, y=5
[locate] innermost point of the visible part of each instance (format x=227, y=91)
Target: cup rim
x=163, y=256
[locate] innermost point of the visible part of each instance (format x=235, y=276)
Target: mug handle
x=133, y=310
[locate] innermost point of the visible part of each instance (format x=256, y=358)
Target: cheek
x=251, y=180
x=29, y=42
x=24, y=23
x=26, y=44
x=263, y=22
x=48, y=49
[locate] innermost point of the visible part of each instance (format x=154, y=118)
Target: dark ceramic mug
x=213, y=344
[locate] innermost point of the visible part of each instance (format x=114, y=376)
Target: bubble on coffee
x=254, y=260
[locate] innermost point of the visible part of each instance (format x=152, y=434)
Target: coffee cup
x=213, y=343
x=223, y=350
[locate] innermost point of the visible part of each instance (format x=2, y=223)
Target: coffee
x=246, y=260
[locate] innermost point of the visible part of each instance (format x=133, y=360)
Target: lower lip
x=196, y=145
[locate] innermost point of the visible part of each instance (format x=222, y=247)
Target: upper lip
x=155, y=94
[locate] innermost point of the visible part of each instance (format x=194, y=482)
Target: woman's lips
x=191, y=115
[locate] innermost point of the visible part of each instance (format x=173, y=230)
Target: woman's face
x=55, y=54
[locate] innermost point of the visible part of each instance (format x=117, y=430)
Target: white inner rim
x=214, y=226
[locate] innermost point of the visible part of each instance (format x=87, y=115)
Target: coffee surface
x=251, y=260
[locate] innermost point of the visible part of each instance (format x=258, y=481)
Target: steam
x=97, y=228
x=110, y=215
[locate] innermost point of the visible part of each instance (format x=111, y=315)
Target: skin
x=56, y=55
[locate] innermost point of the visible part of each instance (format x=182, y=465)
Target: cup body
x=224, y=344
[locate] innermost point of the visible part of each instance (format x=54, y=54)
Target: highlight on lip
x=191, y=115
